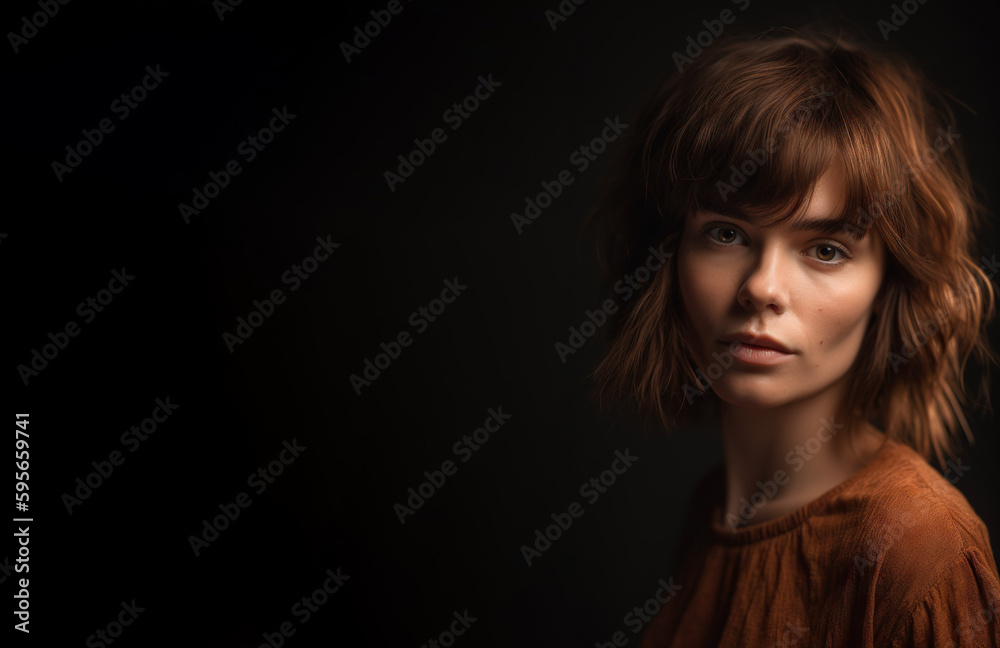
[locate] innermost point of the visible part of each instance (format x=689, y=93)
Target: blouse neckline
x=722, y=533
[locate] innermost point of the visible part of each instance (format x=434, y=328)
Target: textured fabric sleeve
x=960, y=610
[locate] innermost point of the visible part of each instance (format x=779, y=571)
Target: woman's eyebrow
x=824, y=225
x=827, y=225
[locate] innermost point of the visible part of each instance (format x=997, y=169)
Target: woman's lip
x=758, y=346
x=756, y=355
x=755, y=340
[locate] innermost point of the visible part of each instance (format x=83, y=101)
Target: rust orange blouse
x=894, y=556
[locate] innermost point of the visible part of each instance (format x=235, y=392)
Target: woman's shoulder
x=900, y=491
x=916, y=542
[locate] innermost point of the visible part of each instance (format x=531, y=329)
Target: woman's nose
x=766, y=281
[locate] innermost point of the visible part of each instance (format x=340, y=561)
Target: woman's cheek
x=841, y=308
x=703, y=299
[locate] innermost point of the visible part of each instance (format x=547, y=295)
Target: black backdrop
x=221, y=75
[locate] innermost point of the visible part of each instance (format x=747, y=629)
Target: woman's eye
x=726, y=235
x=827, y=253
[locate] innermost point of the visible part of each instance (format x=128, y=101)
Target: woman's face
x=810, y=292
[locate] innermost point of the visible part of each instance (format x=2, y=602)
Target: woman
x=819, y=307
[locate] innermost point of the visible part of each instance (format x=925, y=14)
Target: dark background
x=323, y=175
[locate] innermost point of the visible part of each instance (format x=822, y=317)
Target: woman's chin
x=752, y=396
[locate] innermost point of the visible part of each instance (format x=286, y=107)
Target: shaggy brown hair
x=750, y=125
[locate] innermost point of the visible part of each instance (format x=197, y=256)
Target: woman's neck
x=779, y=459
